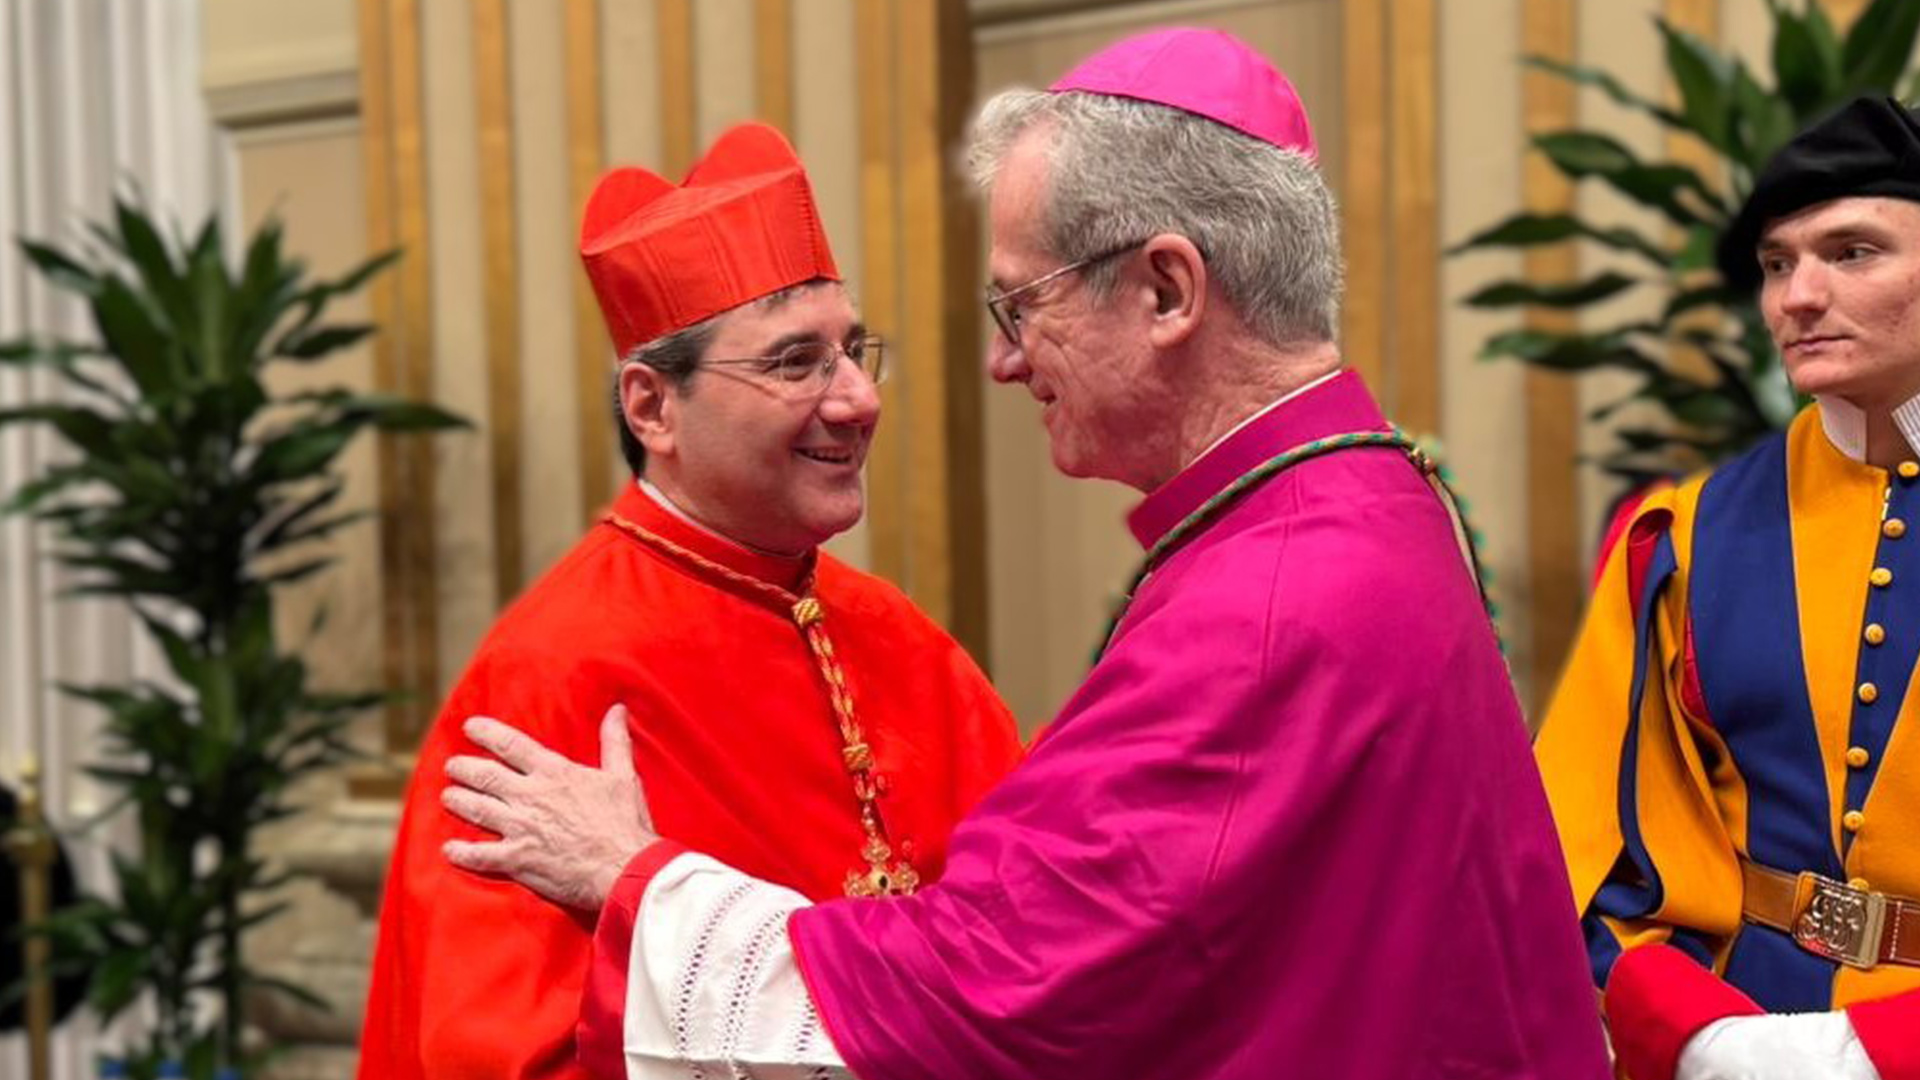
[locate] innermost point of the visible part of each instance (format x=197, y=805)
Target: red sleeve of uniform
x=1617, y=527
x=1657, y=998
x=477, y=977
x=1889, y=1030
x=603, y=1008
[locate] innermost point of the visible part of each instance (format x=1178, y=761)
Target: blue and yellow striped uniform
x=1740, y=688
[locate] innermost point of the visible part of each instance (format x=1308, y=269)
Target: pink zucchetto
x=1208, y=73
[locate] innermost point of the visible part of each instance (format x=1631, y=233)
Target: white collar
x=660, y=497
x=1846, y=424
x=1264, y=410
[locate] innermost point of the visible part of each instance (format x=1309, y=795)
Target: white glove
x=1779, y=1046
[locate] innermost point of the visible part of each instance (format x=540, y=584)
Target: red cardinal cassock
x=793, y=716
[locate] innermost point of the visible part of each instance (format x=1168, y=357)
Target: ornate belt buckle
x=1842, y=923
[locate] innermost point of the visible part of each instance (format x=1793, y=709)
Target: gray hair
x=1122, y=170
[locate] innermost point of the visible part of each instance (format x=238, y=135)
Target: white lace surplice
x=712, y=986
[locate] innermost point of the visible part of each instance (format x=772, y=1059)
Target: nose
x=851, y=397
x=1006, y=362
x=1807, y=289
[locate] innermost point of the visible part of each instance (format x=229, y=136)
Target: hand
x=566, y=830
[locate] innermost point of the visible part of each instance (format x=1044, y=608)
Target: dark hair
x=675, y=356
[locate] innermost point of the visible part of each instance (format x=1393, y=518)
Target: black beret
x=1871, y=146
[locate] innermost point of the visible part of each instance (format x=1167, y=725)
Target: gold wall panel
x=632, y=83
x=552, y=492
x=1414, y=212
x=600, y=467
x=940, y=334
x=880, y=280
x=1484, y=405
x=493, y=95
x=1553, y=522
x=397, y=217
x=827, y=132
x=673, y=29
x=726, y=86
x=1364, y=189
x=465, y=476
x=773, y=61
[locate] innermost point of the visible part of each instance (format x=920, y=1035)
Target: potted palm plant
x=1705, y=360
x=196, y=494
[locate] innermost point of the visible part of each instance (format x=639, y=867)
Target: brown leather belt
x=1830, y=918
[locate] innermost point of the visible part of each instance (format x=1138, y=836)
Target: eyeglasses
x=1006, y=315
x=807, y=367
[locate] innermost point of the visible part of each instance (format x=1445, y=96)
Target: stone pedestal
x=324, y=943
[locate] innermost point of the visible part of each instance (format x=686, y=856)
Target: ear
x=1178, y=276
x=648, y=403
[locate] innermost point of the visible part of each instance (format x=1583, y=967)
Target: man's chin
x=1066, y=460
x=1830, y=376
x=832, y=523
x=1075, y=463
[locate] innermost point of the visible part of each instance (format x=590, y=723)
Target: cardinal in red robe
x=791, y=715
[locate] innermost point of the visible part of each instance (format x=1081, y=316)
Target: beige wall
x=1483, y=406
x=307, y=176
x=280, y=81
x=247, y=42
x=1056, y=551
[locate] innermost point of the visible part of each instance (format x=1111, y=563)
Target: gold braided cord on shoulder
x=883, y=875
x=1435, y=474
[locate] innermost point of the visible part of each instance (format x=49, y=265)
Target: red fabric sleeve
x=1889, y=1030
x=477, y=977
x=603, y=1007
x=1657, y=998
x=1617, y=527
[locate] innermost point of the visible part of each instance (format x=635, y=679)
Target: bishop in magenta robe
x=1289, y=826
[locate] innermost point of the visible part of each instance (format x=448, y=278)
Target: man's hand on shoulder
x=566, y=830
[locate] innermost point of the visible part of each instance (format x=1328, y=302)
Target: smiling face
x=1841, y=295
x=747, y=456
x=1076, y=354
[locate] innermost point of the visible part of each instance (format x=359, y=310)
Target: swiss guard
x=1733, y=755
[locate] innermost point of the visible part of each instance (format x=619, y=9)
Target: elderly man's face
x=1080, y=358
x=767, y=467
x=1841, y=296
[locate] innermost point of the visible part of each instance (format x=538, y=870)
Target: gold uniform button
x=1853, y=820
x=1869, y=693
x=1908, y=470
x=1858, y=757
x=1857, y=883
x=1881, y=577
x=1893, y=528
x=1875, y=633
